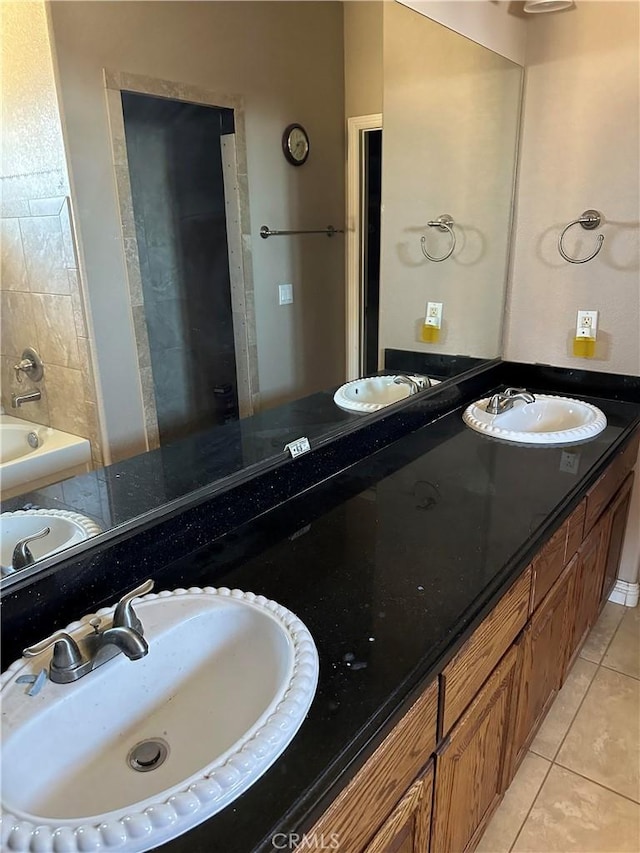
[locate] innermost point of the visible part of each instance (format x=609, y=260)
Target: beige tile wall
x=42, y=307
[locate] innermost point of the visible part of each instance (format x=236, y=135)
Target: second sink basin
x=548, y=420
x=226, y=684
x=66, y=529
x=372, y=393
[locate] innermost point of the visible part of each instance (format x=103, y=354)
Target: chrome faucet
x=414, y=385
x=71, y=660
x=30, y=397
x=504, y=400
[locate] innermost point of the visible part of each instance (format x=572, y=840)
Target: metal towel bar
x=265, y=232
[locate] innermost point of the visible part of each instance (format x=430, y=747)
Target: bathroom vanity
x=448, y=581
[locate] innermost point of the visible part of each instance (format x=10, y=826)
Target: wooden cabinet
x=543, y=655
x=362, y=807
x=408, y=829
x=584, y=601
x=469, y=669
x=617, y=515
x=472, y=765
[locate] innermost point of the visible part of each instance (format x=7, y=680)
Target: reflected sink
x=375, y=392
x=226, y=684
x=548, y=420
x=66, y=529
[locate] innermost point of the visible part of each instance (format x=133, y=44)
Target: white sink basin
x=548, y=420
x=375, y=392
x=226, y=684
x=66, y=529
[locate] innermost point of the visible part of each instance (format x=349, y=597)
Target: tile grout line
x=619, y=672
x=599, y=784
x=535, y=799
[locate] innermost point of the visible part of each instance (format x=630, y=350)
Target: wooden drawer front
x=470, y=668
x=408, y=828
x=471, y=764
x=361, y=807
x=548, y=565
x=575, y=533
x=601, y=492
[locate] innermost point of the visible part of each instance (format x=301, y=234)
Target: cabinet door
x=542, y=662
x=589, y=579
x=473, y=764
x=408, y=828
x=617, y=514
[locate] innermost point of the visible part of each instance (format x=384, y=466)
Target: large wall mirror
x=144, y=150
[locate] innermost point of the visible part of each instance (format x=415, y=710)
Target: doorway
x=174, y=152
x=364, y=191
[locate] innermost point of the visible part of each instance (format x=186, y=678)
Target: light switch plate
x=285, y=294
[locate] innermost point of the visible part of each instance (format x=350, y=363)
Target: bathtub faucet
x=30, y=397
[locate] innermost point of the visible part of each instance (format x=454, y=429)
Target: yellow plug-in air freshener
x=430, y=333
x=584, y=343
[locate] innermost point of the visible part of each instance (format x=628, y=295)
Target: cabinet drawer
x=601, y=492
x=547, y=566
x=575, y=533
x=469, y=669
x=361, y=807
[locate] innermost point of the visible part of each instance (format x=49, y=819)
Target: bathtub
x=23, y=467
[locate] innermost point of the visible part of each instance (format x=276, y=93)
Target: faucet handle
x=66, y=654
x=22, y=556
x=124, y=615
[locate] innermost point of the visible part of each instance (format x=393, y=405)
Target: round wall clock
x=295, y=144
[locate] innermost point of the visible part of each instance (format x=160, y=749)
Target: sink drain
x=148, y=754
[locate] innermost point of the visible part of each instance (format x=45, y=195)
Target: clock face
x=295, y=144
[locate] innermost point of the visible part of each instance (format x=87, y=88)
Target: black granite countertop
x=390, y=565
x=390, y=562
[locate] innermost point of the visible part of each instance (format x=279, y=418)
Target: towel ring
x=444, y=223
x=589, y=220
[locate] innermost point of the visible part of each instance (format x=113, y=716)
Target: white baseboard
x=625, y=593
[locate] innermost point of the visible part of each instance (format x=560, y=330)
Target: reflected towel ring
x=444, y=223
x=589, y=220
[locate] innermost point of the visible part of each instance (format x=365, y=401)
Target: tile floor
x=578, y=788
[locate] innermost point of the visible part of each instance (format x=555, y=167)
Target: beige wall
x=450, y=128
x=286, y=61
x=580, y=150
x=363, y=74
x=40, y=283
x=499, y=25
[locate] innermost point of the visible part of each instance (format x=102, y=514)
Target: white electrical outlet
x=587, y=324
x=434, y=315
x=285, y=294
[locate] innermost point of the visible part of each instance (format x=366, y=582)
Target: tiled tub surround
x=42, y=307
x=57, y=456
x=391, y=563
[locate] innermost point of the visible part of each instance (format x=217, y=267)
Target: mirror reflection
x=145, y=146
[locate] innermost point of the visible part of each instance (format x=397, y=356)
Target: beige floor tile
x=603, y=743
x=556, y=723
x=574, y=815
x=623, y=654
x=506, y=822
x=600, y=635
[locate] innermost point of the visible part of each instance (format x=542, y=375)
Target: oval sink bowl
x=548, y=420
x=226, y=684
x=375, y=392
x=66, y=529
